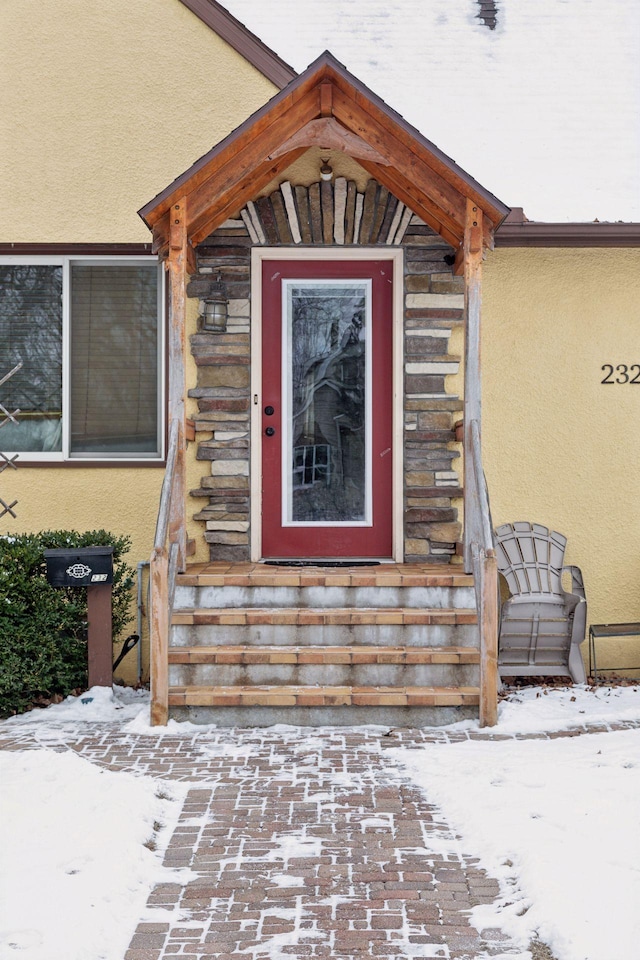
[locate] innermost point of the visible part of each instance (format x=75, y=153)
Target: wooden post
x=472, y=250
x=177, y=270
x=100, y=641
x=489, y=640
x=174, y=489
x=159, y=630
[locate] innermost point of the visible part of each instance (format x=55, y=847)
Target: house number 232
x=621, y=374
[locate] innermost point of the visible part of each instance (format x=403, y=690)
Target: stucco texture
x=103, y=105
x=559, y=447
x=114, y=101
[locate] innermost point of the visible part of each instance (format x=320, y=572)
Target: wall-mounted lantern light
x=215, y=307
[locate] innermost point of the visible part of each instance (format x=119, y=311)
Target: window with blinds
x=114, y=359
x=89, y=337
x=31, y=334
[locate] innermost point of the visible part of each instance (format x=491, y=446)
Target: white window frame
x=66, y=261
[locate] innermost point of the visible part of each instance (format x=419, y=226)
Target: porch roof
x=327, y=106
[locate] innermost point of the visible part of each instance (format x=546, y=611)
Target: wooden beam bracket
x=326, y=98
x=327, y=132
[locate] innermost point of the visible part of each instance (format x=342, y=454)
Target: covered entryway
x=322, y=404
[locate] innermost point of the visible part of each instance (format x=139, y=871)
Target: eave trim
x=76, y=249
x=539, y=234
x=246, y=43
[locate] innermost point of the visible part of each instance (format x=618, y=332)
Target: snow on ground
x=75, y=872
x=556, y=821
x=544, y=709
x=97, y=705
x=526, y=710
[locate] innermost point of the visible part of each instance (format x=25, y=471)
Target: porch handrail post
x=479, y=555
x=485, y=568
x=177, y=271
x=472, y=251
x=171, y=525
x=159, y=630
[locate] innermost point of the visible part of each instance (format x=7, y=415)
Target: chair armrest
x=577, y=583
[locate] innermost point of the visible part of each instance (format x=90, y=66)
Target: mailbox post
x=90, y=567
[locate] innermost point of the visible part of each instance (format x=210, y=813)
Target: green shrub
x=43, y=629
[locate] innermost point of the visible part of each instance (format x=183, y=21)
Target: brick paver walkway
x=299, y=844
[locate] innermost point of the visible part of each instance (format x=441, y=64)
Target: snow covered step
x=223, y=574
x=335, y=626
x=230, y=665
x=301, y=616
x=404, y=655
x=322, y=696
x=386, y=585
x=427, y=596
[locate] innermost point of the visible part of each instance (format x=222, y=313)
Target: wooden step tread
x=318, y=696
x=221, y=574
x=300, y=616
x=243, y=654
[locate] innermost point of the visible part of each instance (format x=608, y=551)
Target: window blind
x=31, y=332
x=114, y=359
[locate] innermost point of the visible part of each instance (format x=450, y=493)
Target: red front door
x=327, y=408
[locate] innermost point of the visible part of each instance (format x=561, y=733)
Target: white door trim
x=258, y=255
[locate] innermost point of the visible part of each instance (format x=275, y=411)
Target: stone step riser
x=344, y=716
x=379, y=635
x=362, y=674
x=325, y=596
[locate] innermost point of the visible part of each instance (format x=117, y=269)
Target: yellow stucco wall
x=560, y=447
x=103, y=105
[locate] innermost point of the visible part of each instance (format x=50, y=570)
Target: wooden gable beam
x=236, y=198
x=242, y=168
x=416, y=200
x=160, y=232
x=326, y=98
x=369, y=115
x=327, y=132
x=405, y=137
x=205, y=168
x=405, y=160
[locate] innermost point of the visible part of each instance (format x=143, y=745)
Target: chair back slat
x=530, y=558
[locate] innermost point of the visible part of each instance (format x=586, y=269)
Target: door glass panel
x=326, y=439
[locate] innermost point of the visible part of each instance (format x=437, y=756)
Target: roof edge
x=246, y=43
x=330, y=60
x=533, y=233
x=75, y=249
x=324, y=64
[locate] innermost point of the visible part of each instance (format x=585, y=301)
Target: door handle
x=270, y=431
x=269, y=411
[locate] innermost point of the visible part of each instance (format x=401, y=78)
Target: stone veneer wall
x=330, y=214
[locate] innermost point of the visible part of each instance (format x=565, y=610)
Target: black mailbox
x=79, y=566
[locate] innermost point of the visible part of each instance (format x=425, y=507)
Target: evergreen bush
x=43, y=629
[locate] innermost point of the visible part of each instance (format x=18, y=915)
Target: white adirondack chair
x=541, y=625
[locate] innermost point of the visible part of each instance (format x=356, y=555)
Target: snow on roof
x=541, y=105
